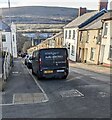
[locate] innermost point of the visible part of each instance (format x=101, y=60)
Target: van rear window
x=54, y=57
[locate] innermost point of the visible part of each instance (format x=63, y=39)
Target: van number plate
x=48, y=71
x=60, y=70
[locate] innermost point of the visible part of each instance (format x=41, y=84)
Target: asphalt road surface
x=83, y=94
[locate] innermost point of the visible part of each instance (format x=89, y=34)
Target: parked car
x=23, y=55
x=28, y=61
x=50, y=63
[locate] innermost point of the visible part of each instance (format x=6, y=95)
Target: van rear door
x=54, y=58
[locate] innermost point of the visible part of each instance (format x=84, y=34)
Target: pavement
x=95, y=68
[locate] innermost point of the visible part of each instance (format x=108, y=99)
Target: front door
x=102, y=53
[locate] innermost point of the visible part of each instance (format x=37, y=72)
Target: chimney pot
x=103, y=4
x=82, y=11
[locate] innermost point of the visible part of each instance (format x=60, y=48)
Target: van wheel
x=64, y=77
x=33, y=72
x=39, y=78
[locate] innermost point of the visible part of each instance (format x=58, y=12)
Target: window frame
x=92, y=54
x=74, y=34
x=69, y=34
x=105, y=30
x=72, y=50
x=3, y=36
x=110, y=53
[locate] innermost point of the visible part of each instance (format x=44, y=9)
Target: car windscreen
x=54, y=58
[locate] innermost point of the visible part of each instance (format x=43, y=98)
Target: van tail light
x=40, y=61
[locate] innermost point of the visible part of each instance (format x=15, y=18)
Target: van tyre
x=64, y=77
x=39, y=78
x=33, y=72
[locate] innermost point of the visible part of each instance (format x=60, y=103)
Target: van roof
x=48, y=49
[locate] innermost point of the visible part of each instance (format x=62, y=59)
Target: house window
x=3, y=38
x=65, y=34
x=13, y=37
x=105, y=29
x=69, y=34
x=73, y=50
x=81, y=36
x=110, y=52
x=92, y=56
x=87, y=40
x=73, y=34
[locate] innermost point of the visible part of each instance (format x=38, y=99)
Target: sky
x=89, y=4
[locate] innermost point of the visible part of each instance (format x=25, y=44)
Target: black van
x=50, y=63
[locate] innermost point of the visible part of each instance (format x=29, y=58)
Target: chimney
x=103, y=4
x=82, y=11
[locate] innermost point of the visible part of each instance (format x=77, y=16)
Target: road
x=83, y=94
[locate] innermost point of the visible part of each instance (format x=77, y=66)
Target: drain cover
x=26, y=98
x=71, y=93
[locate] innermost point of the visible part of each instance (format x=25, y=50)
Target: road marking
x=15, y=72
x=71, y=93
x=13, y=98
x=93, y=77
x=88, y=74
x=28, y=98
x=78, y=77
x=47, y=99
x=103, y=94
x=13, y=104
x=0, y=75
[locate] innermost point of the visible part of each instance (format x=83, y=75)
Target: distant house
x=89, y=41
x=9, y=38
x=71, y=31
x=55, y=41
x=106, y=43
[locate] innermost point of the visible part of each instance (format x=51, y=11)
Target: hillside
x=40, y=14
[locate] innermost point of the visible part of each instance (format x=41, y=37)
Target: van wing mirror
x=33, y=58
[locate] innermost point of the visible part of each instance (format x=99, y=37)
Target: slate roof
x=4, y=26
x=85, y=19
x=108, y=16
x=80, y=19
x=97, y=24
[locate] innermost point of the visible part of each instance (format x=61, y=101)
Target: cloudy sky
x=90, y=4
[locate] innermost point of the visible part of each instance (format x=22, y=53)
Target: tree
x=26, y=45
x=20, y=41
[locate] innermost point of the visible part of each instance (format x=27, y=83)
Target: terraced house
x=89, y=41
x=55, y=41
x=106, y=42
x=9, y=38
x=71, y=30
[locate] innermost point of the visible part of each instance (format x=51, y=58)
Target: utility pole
x=10, y=30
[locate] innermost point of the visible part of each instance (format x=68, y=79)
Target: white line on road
x=13, y=98
x=93, y=77
x=13, y=104
x=47, y=99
